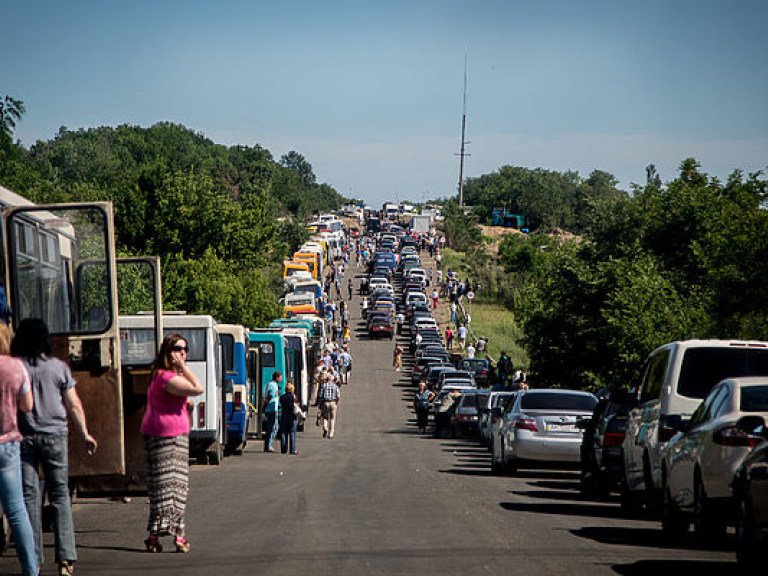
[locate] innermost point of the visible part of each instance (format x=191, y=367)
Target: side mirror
x=671, y=425
x=751, y=424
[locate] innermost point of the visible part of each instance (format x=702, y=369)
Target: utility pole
x=463, y=152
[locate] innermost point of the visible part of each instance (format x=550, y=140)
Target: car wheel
x=496, y=468
x=653, y=496
x=631, y=504
x=747, y=549
x=587, y=480
x=673, y=521
x=708, y=523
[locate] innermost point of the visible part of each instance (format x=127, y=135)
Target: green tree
x=11, y=111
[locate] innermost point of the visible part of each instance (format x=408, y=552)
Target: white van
x=674, y=380
x=137, y=346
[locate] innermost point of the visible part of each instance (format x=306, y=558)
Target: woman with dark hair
x=15, y=395
x=166, y=438
x=45, y=434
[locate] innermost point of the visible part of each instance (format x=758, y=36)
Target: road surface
x=380, y=499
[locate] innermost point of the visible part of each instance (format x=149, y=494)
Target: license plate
x=564, y=427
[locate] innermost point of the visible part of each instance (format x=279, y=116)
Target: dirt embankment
x=497, y=234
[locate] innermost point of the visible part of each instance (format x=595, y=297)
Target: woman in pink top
x=15, y=394
x=166, y=438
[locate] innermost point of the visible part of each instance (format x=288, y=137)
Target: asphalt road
x=381, y=499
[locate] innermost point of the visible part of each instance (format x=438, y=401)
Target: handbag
x=298, y=412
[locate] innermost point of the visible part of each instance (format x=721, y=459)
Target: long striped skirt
x=168, y=483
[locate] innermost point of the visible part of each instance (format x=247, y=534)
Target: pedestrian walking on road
x=462, y=332
x=503, y=367
x=435, y=297
x=290, y=412
x=46, y=437
x=421, y=402
x=15, y=396
x=331, y=396
x=350, y=288
x=166, y=439
x=448, y=337
x=397, y=357
x=344, y=362
x=271, y=402
x=453, y=313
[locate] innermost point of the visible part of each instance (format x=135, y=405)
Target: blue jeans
x=288, y=433
x=50, y=453
x=12, y=497
x=271, y=432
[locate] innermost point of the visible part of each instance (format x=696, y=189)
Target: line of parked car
x=688, y=443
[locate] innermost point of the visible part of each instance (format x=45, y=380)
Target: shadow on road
x=571, y=509
x=550, y=494
x=674, y=568
x=556, y=484
x=113, y=548
x=653, y=537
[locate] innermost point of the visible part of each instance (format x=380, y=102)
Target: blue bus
x=234, y=341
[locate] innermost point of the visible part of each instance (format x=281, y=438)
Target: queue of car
x=688, y=442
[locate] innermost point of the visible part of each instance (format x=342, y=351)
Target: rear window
x=558, y=402
x=500, y=399
x=754, y=399
x=702, y=368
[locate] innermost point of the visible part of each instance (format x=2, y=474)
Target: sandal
x=182, y=545
x=153, y=545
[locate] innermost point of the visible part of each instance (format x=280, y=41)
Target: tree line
x=685, y=259
x=221, y=218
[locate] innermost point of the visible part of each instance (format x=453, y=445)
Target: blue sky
x=371, y=92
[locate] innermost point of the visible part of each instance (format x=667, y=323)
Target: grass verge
x=498, y=325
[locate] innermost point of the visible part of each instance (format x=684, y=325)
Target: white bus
x=207, y=436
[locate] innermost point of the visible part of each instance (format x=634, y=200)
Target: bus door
x=139, y=289
x=44, y=248
x=254, y=392
x=291, y=370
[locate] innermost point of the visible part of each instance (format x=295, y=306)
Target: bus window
x=137, y=345
x=62, y=268
x=267, y=351
x=227, y=352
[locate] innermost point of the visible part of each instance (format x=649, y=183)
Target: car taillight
x=238, y=402
x=484, y=373
x=613, y=439
x=733, y=436
x=201, y=415
x=526, y=424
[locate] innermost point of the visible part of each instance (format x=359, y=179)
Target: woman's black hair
x=31, y=340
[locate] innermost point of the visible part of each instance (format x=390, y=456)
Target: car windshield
x=473, y=364
x=558, y=401
x=754, y=399
x=704, y=367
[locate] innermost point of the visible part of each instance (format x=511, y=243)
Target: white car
x=417, y=274
x=700, y=461
x=425, y=321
